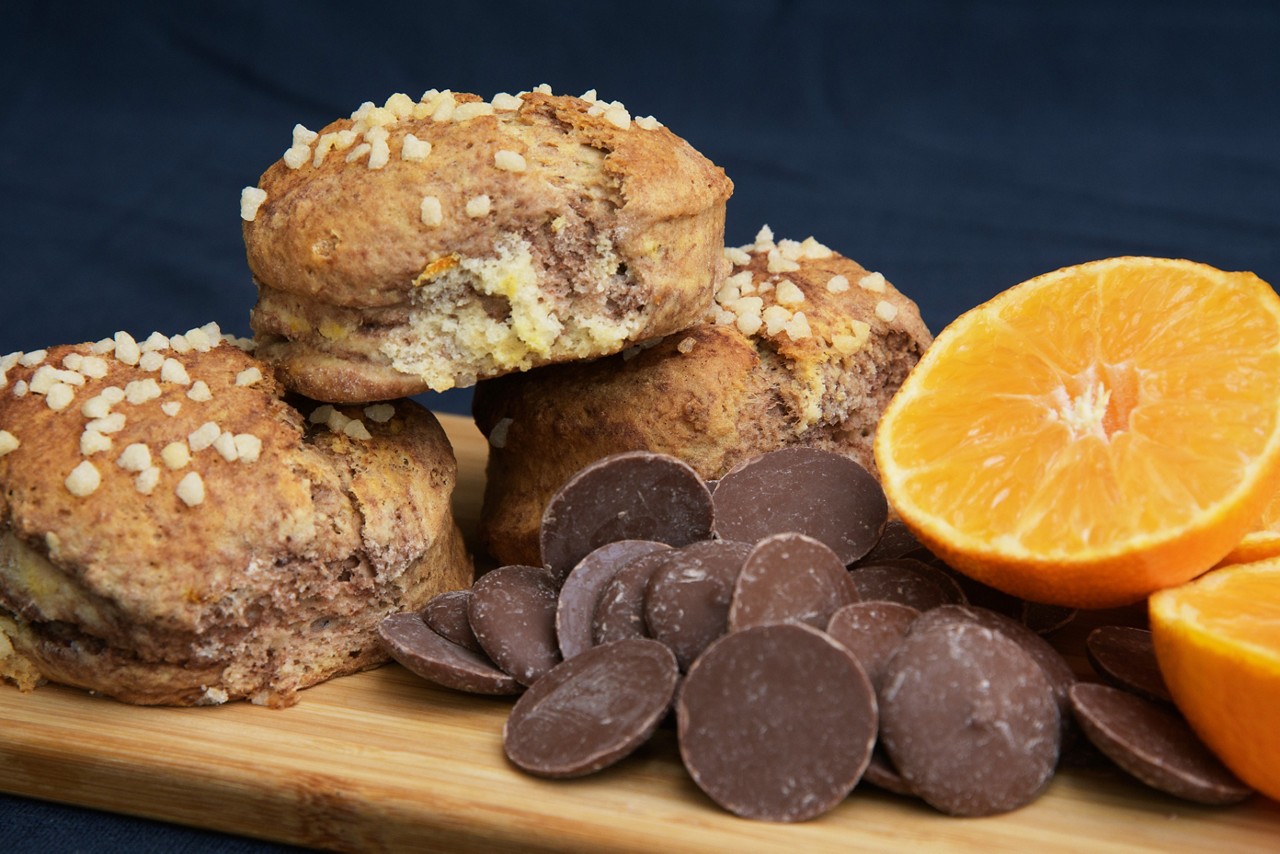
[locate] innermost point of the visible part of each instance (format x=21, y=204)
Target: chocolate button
x=896, y=541
x=687, y=601
x=581, y=591
x=1125, y=657
x=513, y=614
x=591, y=710
x=446, y=615
x=824, y=495
x=620, y=610
x=758, y=738
x=872, y=632
x=1055, y=667
x=1154, y=745
x=636, y=495
x=790, y=578
x=881, y=774
x=907, y=582
x=969, y=719
x=440, y=660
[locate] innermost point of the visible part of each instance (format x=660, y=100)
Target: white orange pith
x=1093, y=434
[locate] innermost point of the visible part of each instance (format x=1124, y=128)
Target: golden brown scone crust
x=276, y=580
x=596, y=236
x=711, y=395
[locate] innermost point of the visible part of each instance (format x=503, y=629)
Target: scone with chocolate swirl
x=428, y=244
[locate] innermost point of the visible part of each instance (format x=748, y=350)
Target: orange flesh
x=1090, y=416
x=1242, y=607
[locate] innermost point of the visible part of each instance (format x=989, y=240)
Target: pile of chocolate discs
x=801, y=640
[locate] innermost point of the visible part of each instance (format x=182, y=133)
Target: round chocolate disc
x=827, y=496
x=1055, y=667
x=591, y=710
x=687, y=601
x=581, y=590
x=513, y=614
x=906, y=581
x=790, y=578
x=635, y=495
x=446, y=614
x=438, y=659
x=895, y=541
x=1154, y=745
x=881, y=774
x=760, y=738
x=969, y=719
x=872, y=632
x=620, y=609
x=1125, y=657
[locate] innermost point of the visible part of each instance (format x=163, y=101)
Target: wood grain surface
x=385, y=761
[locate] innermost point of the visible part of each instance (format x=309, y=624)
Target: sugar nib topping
x=374, y=137
x=77, y=388
x=773, y=305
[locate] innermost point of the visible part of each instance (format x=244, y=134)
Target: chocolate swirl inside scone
x=801, y=347
x=426, y=245
x=173, y=531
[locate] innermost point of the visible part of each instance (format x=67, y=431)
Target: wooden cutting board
x=383, y=760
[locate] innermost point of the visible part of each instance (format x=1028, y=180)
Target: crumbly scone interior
x=560, y=290
x=494, y=315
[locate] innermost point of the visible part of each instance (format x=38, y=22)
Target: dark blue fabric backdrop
x=958, y=147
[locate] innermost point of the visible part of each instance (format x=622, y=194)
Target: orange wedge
x=1094, y=434
x=1218, y=643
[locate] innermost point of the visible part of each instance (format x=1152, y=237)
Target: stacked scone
x=175, y=528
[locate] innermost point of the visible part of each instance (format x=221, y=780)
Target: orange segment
x=1218, y=643
x=1095, y=433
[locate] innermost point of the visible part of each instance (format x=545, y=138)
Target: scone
x=802, y=347
x=428, y=244
x=172, y=531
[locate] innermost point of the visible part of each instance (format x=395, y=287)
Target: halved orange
x=1093, y=434
x=1217, y=640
